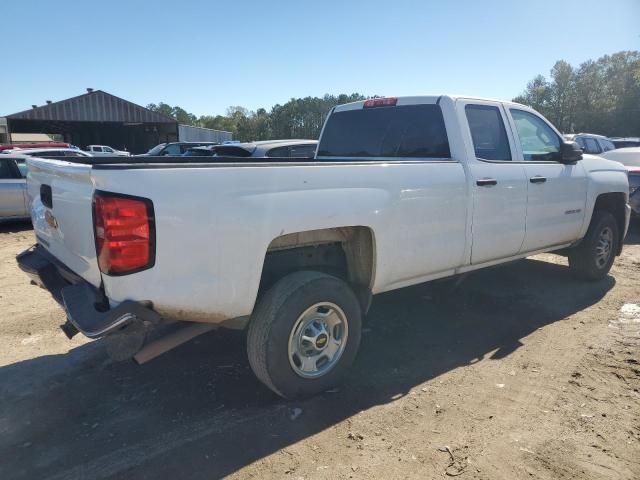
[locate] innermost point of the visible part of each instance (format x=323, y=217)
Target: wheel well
x=613, y=203
x=345, y=252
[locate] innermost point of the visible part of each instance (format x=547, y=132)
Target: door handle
x=486, y=182
x=538, y=179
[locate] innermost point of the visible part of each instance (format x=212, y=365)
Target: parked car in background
x=173, y=148
x=48, y=152
x=106, y=151
x=630, y=158
x=22, y=146
x=266, y=148
x=401, y=191
x=591, y=143
x=13, y=197
x=13, y=172
x=626, y=142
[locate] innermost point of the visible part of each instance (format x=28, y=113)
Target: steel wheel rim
x=318, y=340
x=603, y=247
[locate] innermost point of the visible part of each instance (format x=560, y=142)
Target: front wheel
x=593, y=258
x=304, y=334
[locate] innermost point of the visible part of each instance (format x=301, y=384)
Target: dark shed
x=98, y=118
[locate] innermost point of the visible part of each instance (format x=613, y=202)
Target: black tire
x=583, y=259
x=275, y=316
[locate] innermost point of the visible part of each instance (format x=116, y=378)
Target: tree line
x=598, y=96
x=298, y=118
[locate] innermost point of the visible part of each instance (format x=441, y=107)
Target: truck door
x=499, y=185
x=557, y=193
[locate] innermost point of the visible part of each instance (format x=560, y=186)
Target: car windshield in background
x=156, y=150
x=410, y=131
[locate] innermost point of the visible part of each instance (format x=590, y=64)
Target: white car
x=592, y=143
x=401, y=191
x=106, y=151
x=630, y=158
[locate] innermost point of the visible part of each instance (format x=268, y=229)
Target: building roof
x=94, y=106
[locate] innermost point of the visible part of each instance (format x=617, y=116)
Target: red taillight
x=380, y=102
x=123, y=232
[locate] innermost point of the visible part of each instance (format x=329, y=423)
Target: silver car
x=13, y=171
x=13, y=195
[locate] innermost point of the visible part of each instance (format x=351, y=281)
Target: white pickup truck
x=401, y=191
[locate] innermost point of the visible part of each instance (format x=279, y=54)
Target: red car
x=11, y=146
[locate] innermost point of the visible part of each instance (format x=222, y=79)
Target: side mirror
x=570, y=152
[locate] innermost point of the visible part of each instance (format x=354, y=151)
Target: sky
x=205, y=56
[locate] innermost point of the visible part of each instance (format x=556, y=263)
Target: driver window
x=538, y=140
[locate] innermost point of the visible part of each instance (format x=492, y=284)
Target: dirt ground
x=524, y=372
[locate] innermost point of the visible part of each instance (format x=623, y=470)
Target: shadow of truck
x=199, y=409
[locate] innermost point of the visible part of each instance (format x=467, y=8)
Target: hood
x=627, y=156
x=598, y=163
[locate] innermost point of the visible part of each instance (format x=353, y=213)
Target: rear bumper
x=86, y=307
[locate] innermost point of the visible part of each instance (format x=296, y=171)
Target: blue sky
x=207, y=55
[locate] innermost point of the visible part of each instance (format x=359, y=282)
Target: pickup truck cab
x=401, y=191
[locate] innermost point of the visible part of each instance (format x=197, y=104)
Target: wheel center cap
x=321, y=341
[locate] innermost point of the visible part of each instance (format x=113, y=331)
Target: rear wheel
x=304, y=334
x=593, y=258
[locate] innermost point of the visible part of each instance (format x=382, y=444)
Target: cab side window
x=538, y=140
x=22, y=167
x=488, y=133
x=5, y=170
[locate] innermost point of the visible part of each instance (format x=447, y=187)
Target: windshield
x=156, y=150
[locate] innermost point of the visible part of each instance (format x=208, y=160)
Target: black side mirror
x=570, y=152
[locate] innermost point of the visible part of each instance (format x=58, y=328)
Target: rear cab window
x=388, y=132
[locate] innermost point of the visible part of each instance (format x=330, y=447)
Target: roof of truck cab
x=425, y=100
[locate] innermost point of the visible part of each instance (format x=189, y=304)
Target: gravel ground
x=523, y=372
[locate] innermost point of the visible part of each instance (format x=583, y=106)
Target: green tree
x=600, y=96
x=298, y=118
